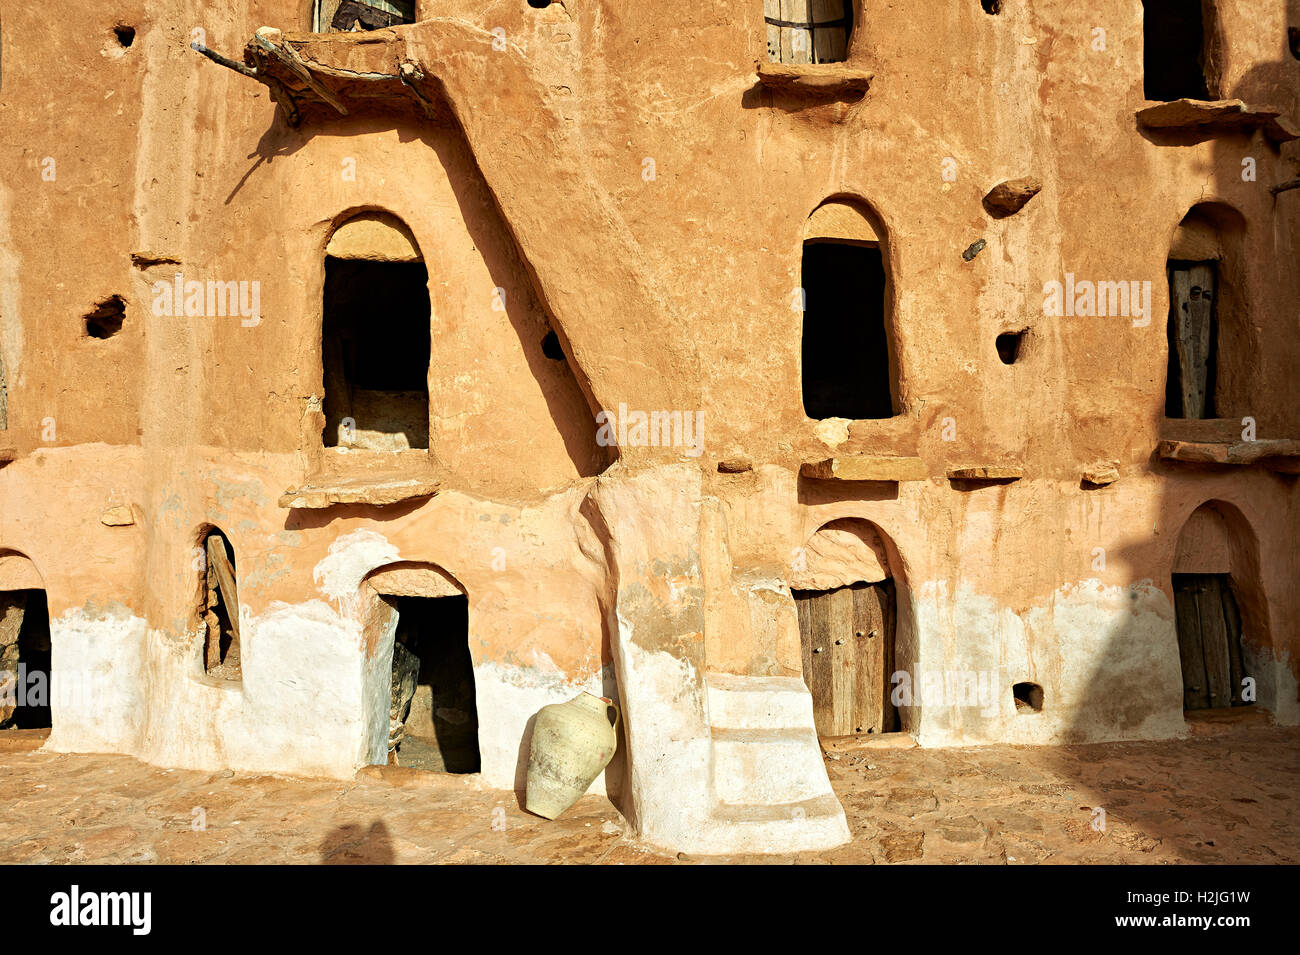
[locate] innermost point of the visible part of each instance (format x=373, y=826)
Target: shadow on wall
x=354, y=845
x=1137, y=663
x=563, y=384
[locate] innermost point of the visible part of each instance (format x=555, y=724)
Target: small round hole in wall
x=991, y=7
x=551, y=347
x=1008, y=345
x=539, y=4
x=125, y=35
x=105, y=319
x=1028, y=697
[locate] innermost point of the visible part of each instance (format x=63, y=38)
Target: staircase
x=769, y=781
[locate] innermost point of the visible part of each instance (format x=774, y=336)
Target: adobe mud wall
x=619, y=176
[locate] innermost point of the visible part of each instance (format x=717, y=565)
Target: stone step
x=806, y=826
x=758, y=702
x=767, y=766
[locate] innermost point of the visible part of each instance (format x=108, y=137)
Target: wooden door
x=1209, y=641
x=1192, y=293
x=847, y=636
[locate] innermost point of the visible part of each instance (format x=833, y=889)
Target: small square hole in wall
x=125, y=35
x=1008, y=345
x=1029, y=698
x=105, y=319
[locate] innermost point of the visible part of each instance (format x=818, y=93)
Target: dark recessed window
x=376, y=341
x=1176, y=49
x=846, y=372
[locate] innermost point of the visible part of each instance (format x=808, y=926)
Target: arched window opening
x=219, y=608
x=346, y=15
x=846, y=363
x=808, y=31
x=375, y=337
x=1207, y=373
x=1179, y=50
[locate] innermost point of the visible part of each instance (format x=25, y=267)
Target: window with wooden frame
x=330, y=16
x=1193, y=340
x=808, y=31
x=1213, y=349
x=219, y=607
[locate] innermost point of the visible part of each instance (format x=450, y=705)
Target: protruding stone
x=1218, y=116
x=863, y=467
x=1102, y=473
x=1008, y=198
x=986, y=473
x=119, y=515
x=360, y=491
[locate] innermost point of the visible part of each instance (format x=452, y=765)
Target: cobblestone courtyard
x=1228, y=795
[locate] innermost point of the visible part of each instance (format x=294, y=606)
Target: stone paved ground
x=1233, y=796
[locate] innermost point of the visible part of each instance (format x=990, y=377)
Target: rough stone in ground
x=910, y=802
x=902, y=846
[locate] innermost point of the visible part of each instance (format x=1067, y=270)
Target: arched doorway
x=847, y=601
x=1216, y=599
x=24, y=645
x=418, y=634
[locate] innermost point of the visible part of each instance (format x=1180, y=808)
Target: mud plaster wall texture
x=670, y=292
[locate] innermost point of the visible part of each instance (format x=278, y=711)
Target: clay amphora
x=572, y=743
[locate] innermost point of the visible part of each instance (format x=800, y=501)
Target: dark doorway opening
x=1209, y=641
x=433, y=686
x=847, y=636
x=376, y=341
x=1193, y=335
x=1174, y=50
x=24, y=660
x=846, y=369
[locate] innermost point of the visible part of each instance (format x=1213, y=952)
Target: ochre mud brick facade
x=617, y=210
